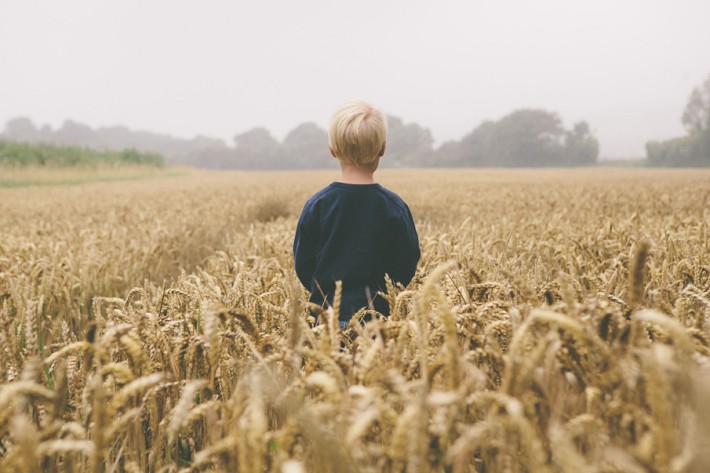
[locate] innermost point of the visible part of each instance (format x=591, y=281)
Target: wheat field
x=557, y=322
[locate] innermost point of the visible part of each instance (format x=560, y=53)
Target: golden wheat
x=557, y=322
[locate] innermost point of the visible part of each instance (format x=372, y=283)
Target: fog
x=220, y=68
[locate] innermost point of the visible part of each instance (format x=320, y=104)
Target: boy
x=355, y=230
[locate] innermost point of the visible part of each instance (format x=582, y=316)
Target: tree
x=21, y=129
x=676, y=152
x=694, y=148
x=696, y=116
x=581, y=147
x=529, y=137
x=257, y=149
x=407, y=144
x=211, y=158
x=75, y=133
x=475, y=149
x=306, y=146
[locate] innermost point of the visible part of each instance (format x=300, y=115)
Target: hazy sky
x=222, y=67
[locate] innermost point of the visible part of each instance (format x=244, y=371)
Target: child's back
x=355, y=230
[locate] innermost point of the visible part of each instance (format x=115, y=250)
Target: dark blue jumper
x=355, y=233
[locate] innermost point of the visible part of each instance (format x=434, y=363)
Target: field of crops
x=557, y=322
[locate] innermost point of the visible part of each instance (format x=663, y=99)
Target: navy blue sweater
x=355, y=233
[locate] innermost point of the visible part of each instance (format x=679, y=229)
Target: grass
x=13, y=177
x=623, y=163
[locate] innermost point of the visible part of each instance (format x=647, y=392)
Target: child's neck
x=354, y=175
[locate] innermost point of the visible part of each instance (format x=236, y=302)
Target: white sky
x=219, y=67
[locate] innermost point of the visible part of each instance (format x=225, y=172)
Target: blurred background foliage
x=523, y=138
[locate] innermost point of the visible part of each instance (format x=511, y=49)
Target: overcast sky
x=222, y=67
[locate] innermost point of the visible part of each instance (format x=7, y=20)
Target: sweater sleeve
x=405, y=249
x=304, y=246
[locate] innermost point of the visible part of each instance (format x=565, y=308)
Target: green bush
x=692, y=150
x=679, y=152
x=23, y=154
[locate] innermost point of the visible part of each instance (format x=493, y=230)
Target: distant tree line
x=529, y=138
x=114, y=138
x=694, y=148
x=13, y=154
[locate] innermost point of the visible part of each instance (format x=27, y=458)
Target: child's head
x=358, y=132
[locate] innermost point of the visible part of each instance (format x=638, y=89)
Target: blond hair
x=358, y=132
